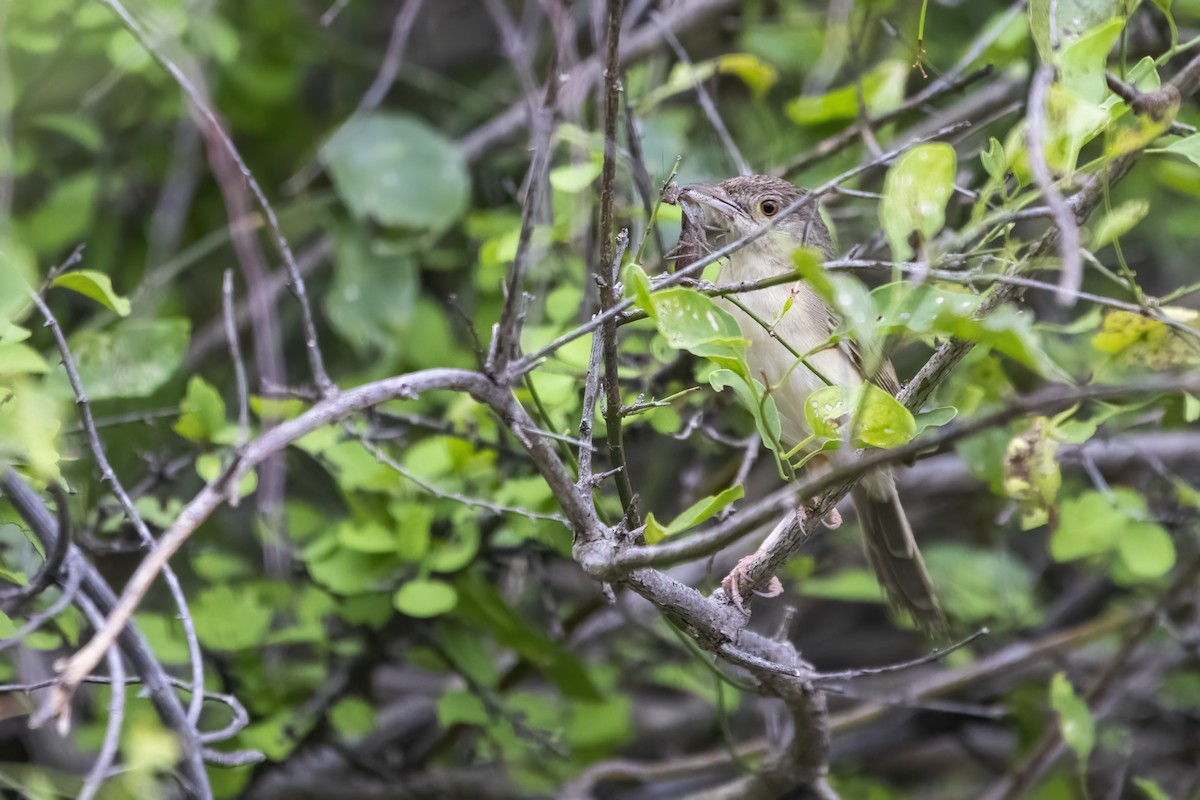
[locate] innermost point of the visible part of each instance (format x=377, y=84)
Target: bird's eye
x=769, y=207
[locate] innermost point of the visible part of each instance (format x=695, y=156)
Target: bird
x=741, y=206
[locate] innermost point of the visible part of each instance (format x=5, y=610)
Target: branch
x=831, y=486
x=139, y=653
x=1050, y=745
x=578, y=82
x=1064, y=218
x=109, y=475
x=214, y=494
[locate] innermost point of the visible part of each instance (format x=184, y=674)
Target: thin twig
x=706, y=101
x=109, y=475
x=141, y=657
x=928, y=658
x=116, y=710
x=311, y=343
x=235, y=354
x=51, y=567
x=475, y=502
x=1064, y=216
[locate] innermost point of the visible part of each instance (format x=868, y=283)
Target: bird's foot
x=738, y=579
x=832, y=520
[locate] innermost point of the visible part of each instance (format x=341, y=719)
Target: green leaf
x=1119, y=221
x=132, y=358
x=1146, y=550
x=63, y=218
x=202, y=416
x=934, y=418
x=425, y=598
x=228, y=619
x=995, y=162
x=1142, y=341
x=352, y=718
x=882, y=90
x=983, y=585
x=210, y=466
x=1092, y=524
x=1073, y=20
x=96, y=285
x=758, y=75
x=915, y=194
x=21, y=359
x=456, y=553
x=1074, y=718
x=1082, y=61
x=879, y=419
x=366, y=536
x=482, y=605
x=398, y=171
x=760, y=404
x=604, y=724
x=458, y=706
x=1151, y=789
x=849, y=585
x=696, y=513
x=574, y=178
x=372, y=301
x=1188, y=147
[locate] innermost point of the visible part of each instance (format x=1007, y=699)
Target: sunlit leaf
x=1074, y=718
x=915, y=194
x=695, y=514
x=1073, y=19
x=1119, y=221
x=202, y=416
x=882, y=90
x=95, y=285
x=21, y=359
x=1082, y=61
x=757, y=74
x=879, y=419
x=425, y=598
x=1188, y=147
x=1143, y=341
x=574, y=178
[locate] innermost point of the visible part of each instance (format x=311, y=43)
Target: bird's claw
x=738, y=577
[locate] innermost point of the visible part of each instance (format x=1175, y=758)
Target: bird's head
x=740, y=206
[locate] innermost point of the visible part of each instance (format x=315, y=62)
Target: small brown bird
x=740, y=206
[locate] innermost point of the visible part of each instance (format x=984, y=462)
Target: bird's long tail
x=892, y=551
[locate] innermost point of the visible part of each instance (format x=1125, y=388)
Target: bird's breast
x=802, y=328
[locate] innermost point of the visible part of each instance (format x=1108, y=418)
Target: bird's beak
x=712, y=196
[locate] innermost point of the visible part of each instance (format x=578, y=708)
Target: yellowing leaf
x=758, y=75
x=1031, y=472
x=1140, y=340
